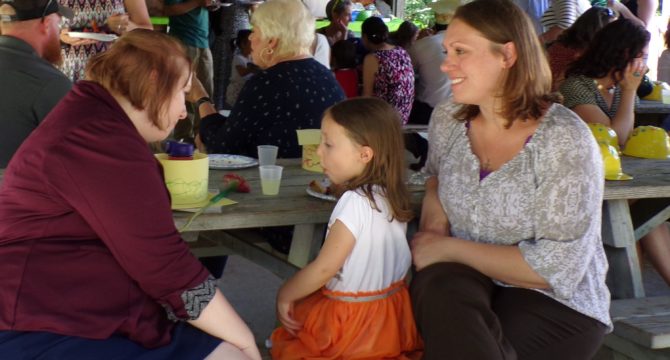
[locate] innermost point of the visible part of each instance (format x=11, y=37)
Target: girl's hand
x=118, y=23
x=428, y=248
x=285, y=315
x=632, y=76
x=64, y=37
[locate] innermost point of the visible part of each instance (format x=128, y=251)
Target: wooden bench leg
x=624, y=266
x=307, y=240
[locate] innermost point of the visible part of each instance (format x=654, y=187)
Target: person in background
x=405, y=36
x=87, y=269
x=291, y=91
x=31, y=86
x=507, y=266
x=339, y=15
x=98, y=16
x=560, y=16
x=387, y=69
x=643, y=10
x=321, y=50
x=601, y=88
x=189, y=22
x=243, y=67
x=344, y=67
x=352, y=302
x=534, y=9
x=432, y=86
x=664, y=59
x=573, y=41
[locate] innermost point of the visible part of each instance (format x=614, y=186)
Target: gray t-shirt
x=547, y=201
x=31, y=87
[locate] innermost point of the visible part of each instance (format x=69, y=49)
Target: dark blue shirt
x=272, y=105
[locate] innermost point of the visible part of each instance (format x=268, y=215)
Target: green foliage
x=419, y=13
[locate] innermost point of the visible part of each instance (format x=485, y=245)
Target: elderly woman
x=90, y=260
x=509, y=256
x=290, y=92
x=601, y=88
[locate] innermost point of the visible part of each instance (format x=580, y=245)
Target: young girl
x=243, y=67
x=351, y=302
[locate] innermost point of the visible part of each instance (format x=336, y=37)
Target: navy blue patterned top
x=273, y=104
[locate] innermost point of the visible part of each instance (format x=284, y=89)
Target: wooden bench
x=641, y=330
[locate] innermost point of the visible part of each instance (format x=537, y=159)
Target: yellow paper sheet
x=212, y=209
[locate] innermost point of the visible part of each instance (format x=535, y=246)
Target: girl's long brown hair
x=374, y=123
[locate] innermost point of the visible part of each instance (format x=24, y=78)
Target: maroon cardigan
x=88, y=245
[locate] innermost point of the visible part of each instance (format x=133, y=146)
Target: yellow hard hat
x=612, y=163
x=649, y=142
x=604, y=133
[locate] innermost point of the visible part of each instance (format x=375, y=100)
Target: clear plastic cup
x=267, y=154
x=270, y=178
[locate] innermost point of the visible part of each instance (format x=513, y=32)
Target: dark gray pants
x=462, y=314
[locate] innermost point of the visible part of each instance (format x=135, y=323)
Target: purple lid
x=179, y=149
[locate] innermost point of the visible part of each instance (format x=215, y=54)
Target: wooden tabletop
x=652, y=107
x=651, y=179
x=291, y=207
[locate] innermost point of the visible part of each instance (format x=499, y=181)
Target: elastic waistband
x=364, y=296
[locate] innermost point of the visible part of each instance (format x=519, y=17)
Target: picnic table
x=651, y=179
x=227, y=231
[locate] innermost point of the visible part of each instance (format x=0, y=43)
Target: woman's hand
x=429, y=248
x=118, y=23
x=64, y=37
x=632, y=75
x=285, y=314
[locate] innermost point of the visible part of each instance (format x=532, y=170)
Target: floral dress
x=394, y=80
x=90, y=15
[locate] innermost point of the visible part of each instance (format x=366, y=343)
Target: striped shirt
x=563, y=13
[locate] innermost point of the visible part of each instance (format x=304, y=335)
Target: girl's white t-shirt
x=381, y=255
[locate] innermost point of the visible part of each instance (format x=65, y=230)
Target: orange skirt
x=365, y=325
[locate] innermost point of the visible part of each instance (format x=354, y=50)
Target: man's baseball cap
x=33, y=9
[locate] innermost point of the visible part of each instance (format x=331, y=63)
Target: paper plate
x=320, y=195
x=228, y=161
x=93, y=36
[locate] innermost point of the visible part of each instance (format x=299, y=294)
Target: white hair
x=288, y=21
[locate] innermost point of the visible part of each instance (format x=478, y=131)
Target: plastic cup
x=270, y=179
x=267, y=154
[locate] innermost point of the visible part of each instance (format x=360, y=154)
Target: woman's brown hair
x=373, y=122
x=526, y=86
x=145, y=67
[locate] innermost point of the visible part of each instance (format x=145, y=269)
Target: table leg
x=307, y=240
x=624, y=266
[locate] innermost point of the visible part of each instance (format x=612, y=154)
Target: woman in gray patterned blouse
x=509, y=258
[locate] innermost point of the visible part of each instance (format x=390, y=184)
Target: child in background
x=406, y=35
x=343, y=63
x=242, y=68
x=352, y=302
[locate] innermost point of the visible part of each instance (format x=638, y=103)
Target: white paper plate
x=93, y=36
x=320, y=195
x=228, y=161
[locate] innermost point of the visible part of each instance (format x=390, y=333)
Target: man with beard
x=31, y=85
